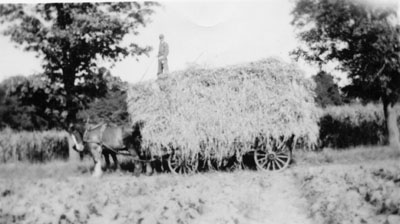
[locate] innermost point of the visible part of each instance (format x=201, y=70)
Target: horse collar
x=103, y=128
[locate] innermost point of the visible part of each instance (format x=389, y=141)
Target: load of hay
x=220, y=112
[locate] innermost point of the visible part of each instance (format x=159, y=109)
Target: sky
x=208, y=33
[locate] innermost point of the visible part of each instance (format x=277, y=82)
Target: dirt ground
x=327, y=188
x=237, y=197
x=367, y=192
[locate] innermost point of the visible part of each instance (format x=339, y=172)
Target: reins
x=126, y=154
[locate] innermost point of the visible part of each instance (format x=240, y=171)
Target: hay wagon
x=199, y=117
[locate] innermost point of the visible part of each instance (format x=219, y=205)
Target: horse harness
x=103, y=128
x=102, y=144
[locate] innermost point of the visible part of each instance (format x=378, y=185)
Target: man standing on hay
x=163, y=51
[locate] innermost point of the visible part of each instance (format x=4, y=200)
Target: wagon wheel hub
x=179, y=165
x=271, y=156
x=272, y=160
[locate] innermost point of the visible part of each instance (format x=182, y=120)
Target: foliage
x=15, y=115
x=71, y=38
x=111, y=108
x=221, y=112
x=19, y=117
x=32, y=146
x=2, y=95
x=352, y=125
x=362, y=37
x=327, y=91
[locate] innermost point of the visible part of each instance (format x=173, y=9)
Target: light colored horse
x=106, y=139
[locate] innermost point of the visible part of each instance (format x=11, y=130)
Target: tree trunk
x=391, y=123
x=69, y=83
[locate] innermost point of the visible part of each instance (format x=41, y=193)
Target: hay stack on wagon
x=220, y=112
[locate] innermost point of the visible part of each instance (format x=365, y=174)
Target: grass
x=238, y=197
x=62, y=169
x=345, y=156
x=54, y=169
x=356, y=185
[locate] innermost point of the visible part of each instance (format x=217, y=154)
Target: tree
x=110, y=108
x=363, y=38
x=327, y=91
x=71, y=38
x=13, y=113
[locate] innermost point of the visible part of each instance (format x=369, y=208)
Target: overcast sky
x=211, y=33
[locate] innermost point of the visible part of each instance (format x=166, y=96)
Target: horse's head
x=76, y=133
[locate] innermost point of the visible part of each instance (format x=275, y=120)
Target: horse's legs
x=107, y=158
x=138, y=167
x=96, y=151
x=135, y=159
x=115, y=159
x=149, y=169
x=81, y=155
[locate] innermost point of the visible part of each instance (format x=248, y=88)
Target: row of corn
x=32, y=146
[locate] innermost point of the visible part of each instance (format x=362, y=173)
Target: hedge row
x=353, y=125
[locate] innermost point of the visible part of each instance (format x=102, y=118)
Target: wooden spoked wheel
x=276, y=160
x=179, y=165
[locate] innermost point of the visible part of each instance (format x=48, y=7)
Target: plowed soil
x=236, y=197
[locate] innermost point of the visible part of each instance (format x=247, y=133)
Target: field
x=360, y=185
x=358, y=193
x=33, y=146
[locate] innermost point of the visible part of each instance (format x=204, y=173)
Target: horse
x=107, y=139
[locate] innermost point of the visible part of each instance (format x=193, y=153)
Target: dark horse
x=108, y=139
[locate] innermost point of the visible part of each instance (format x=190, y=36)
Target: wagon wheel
x=178, y=165
x=276, y=160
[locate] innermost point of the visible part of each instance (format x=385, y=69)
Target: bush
x=327, y=91
x=353, y=125
x=33, y=146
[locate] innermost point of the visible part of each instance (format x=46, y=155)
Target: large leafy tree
x=71, y=39
x=363, y=38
